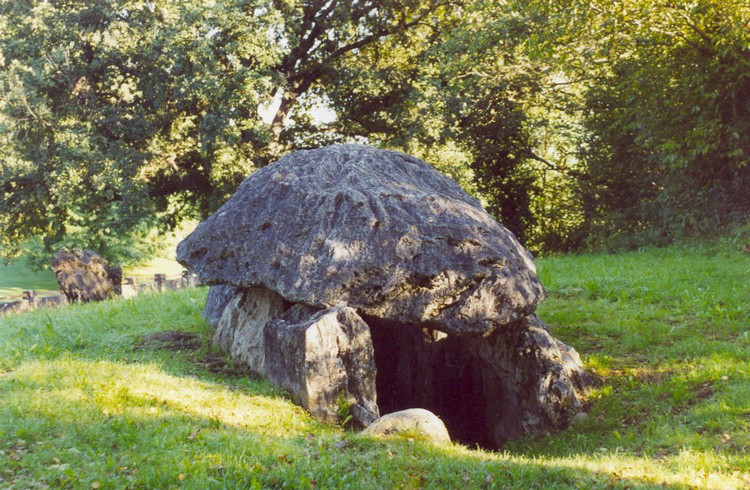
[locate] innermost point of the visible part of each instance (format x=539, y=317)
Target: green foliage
x=663, y=108
x=460, y=93
x=607, y=124
x=489, y=81
x=343, y=410
x=118, y=117
x=126, y=121
x=97, y=395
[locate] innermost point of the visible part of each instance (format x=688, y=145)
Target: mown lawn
x=99, y=396
x=17, y=277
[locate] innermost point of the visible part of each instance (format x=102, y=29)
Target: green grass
x=89, y=400
x=15, y=278
x=159, y=265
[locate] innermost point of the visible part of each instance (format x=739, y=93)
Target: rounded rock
x=425, y=423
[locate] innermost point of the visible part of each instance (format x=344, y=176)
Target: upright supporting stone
x=530, y=381
x=160, y=281
x=188, y=279
x=245, y=314
x=217, y=299
x=326, y=359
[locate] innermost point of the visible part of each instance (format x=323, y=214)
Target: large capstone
x=379, y=231
x=365, y=282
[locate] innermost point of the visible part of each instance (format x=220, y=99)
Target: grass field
x=16, y=278
x=98, y=396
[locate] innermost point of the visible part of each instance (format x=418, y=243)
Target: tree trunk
x=277, y=126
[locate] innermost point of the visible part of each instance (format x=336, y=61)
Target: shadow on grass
x=101, y=424
x=114, y=396
x=92, y=422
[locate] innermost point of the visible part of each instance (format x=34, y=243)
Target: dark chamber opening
x=420, y=368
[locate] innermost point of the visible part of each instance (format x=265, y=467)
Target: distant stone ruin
x=365, y=281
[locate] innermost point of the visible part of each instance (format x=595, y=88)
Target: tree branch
x=565, y=171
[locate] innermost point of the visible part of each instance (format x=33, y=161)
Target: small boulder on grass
x=85, y=276
x=419, y=421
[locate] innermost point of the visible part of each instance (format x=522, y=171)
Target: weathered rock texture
x=379, y=231
x=216, y=301
x=245, y=316
x=327, y=359
x=361, y=277
x=418, y=420
x=323, y=357
x=85, y=276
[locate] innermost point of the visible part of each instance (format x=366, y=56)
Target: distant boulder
x=85, y=276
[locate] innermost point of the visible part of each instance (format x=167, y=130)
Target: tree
x=663, y=102
x=463, y=95
x=121, y=116
x=573, y=121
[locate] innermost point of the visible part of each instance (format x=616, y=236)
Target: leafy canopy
x=120, y=117
x=577, y=123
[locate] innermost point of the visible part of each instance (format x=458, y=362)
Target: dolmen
x=365, y=282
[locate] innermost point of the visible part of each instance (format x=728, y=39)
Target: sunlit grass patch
x=158, y=265
x=71, y=410
x=130, y=394
x=81, y=392
x=709, y=283
x=17, y=277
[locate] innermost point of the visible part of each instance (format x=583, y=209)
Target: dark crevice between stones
x=420, y=368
